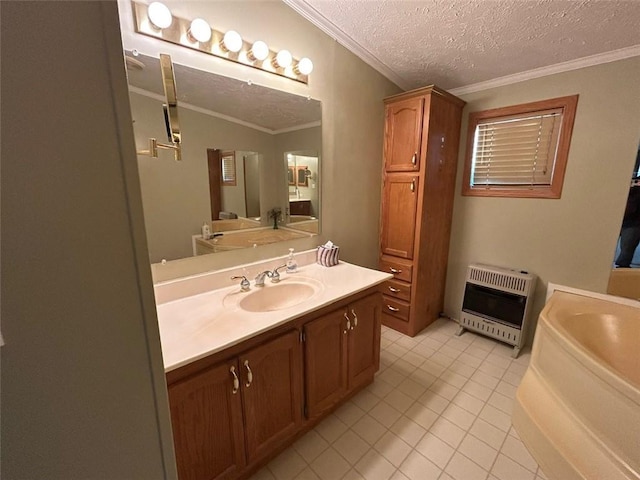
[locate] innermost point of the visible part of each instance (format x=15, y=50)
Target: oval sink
x=272, y=297
x=277, y=297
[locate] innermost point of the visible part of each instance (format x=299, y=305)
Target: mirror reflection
x=625, y=277
x=238, y=141
x=234, y=188
x=170, y=112
x=302, y=177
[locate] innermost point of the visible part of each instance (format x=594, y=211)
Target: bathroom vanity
x=250, y=372
x=299, y=206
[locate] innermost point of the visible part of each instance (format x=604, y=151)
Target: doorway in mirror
x=625, y=276
x=303, y=197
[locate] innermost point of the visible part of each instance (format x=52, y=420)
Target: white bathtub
x=577, y=408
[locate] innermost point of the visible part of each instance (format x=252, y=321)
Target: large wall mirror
x=239, y=141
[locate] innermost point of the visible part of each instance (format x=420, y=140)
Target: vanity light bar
x=179, y=31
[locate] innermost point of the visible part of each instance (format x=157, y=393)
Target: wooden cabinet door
x=399, y=207
x=271, y=377
x=206, y=415
x=325, y=361
x=364, y=340
x=403, y=134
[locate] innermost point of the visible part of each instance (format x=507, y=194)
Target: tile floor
x=439, y=409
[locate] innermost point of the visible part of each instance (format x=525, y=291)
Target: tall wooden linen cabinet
x=422, y=132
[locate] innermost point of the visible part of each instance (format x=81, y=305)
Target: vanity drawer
x=401, y=271
x=300, y=207
x=397, y=289
x=397, y=308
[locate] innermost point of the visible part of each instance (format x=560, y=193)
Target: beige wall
x=572, y=240
x=83, y=390
x=251, y=164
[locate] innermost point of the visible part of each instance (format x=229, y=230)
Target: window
x=228, y=169
x=519, y=151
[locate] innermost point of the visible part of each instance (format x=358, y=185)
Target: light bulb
x=259, y=51
x=200, y=30
x=159, y=15
x=232, y=41
x=304, y=66
x=283, y=59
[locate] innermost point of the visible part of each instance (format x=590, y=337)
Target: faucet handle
x=275, y=275
x=245, y=286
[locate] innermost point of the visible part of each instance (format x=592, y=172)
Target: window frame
x=568, y=105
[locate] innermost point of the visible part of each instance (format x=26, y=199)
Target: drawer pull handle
x=413, y=185
x=414, y=159
x=393, y=309
x=355, y=319
x=249, y=374
x=394, y=270
x=236, y=380
x=348, y=323
x=394, y=290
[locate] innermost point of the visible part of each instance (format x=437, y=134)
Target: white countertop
x=199, y=325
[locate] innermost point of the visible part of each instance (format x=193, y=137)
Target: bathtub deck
x=245, y=239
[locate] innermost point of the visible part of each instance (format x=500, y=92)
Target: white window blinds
x=517, y=150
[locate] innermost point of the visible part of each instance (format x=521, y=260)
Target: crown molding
x=312, y=15
x=302, y=126
x=211, y=113
x=577, y=64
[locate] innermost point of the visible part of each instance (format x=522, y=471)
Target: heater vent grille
x=501, y=279
x=505, y=333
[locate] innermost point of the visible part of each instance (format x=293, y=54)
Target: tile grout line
x=476, y=416
x=403, y=370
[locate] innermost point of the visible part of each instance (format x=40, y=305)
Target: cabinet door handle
x=236, y=380
x=393, y=309
x=394, y=270
x=413, y=185
x=355, y=319
x=394, y=290
x=414, y=159
x=348, y=323
x=249, y=374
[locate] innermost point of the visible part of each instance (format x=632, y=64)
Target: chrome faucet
x=275, y=276
x=245, y=286
x=260, y=278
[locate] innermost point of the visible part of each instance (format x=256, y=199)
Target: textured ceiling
x=455, y=43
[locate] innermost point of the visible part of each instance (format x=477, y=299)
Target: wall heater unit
x=496, y=303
